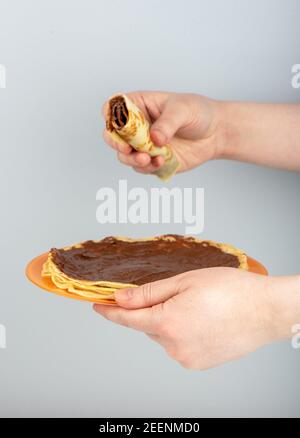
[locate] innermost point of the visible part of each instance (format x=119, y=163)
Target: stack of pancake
x=96, y=269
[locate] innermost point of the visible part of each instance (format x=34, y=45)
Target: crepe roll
x=126, y=123
x=97, y=269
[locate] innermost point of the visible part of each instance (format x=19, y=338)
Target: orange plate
x=34, y=274
x=34, y=271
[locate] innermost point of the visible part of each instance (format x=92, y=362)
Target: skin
x=206, y=317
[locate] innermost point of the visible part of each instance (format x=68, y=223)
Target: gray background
x=63, y=59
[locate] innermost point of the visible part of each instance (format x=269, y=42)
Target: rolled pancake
x=96, y=269
x=125, y=122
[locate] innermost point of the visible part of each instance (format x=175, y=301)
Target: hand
x=188, y=122
x=205, y=317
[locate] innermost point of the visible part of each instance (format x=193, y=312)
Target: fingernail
x=124, y=294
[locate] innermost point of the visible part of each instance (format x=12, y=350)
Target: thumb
x=169, y=122
x=148, y=294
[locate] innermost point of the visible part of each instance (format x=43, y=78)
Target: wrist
x=284, y=305
x=228, y=129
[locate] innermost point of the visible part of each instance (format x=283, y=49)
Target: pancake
x=96, y=269
x=125, y=122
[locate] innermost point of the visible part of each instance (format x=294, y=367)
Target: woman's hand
x=201, y=129
x=188, y=122
x=206, y=317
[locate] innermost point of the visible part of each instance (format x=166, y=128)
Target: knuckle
x=122, y=148
x=187, y=364
x=120, y=319
x=147, y=293
x=172, y=352
x=176, y=353
x=185, y=360
x=115, y=316
x=104, y=315
x=141, y=161
x=182, y=357
x=138, y=159
x=107, y=315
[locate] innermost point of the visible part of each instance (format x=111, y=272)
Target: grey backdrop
x=63, y=59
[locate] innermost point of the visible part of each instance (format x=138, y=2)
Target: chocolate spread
x=118, y=113
x=139, y=262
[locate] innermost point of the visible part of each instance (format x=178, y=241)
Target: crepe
x=125, y=122
x=96, y=269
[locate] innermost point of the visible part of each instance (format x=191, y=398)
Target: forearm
x=284, y=299
x=265, y=134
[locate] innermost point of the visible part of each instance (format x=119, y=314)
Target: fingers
x=135, y=159
x=145, y=320
x=168, y=123
x=149, y=294
x=151, y=104
x=155, y=164
x=120, y=146
x=140, y=161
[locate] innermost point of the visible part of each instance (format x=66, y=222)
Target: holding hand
x=201, y=129
x=188, y=122
x=205, y=317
